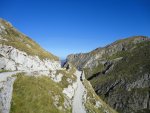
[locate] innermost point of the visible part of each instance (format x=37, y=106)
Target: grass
x=36, y=95
x=117, y=55
x=94, y=70
x=24, y=43
x=131, y=68
x=67, y=75
x=128, y=43
x=91, y=101
x=1, y=70
x=129, y=40
x=133, y=64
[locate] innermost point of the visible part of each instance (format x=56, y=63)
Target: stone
x=13, y=59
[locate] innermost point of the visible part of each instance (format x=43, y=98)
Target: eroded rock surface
x=13, y=59
x=119, y=73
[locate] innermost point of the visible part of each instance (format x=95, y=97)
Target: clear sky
x=73, y=26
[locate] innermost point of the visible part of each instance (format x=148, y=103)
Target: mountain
x=119, y=73
x=19, y=52
x=33, y=81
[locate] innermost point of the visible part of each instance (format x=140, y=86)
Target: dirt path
x=78, y=106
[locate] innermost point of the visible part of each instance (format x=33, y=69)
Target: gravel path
x=78, y=106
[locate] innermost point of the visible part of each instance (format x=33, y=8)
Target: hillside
x=47, y=92
x=32, y=80
x=12, y=37
x=119, y=73
x=19, y=52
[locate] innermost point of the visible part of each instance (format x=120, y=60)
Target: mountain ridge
x=7, y=28
x=19, y=52
x=32, y=80
x=119, y=73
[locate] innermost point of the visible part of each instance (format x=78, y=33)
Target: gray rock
x=6, y=89
x=126, y=89
x=13, y=59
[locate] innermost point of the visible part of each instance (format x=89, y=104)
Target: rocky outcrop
x=126, y=96
x=13, y=59
x=92, y=59
x=20, y=53
x=119, y=73
x=70, y=90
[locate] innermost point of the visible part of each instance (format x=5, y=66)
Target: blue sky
x=73, y=26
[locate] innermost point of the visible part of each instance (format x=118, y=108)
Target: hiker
x=81, y=78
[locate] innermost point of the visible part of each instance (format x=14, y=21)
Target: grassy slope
x=91, y=101
x=131, y=68
x=23, y=43
x=67, y=75
x=128, y=43
x=36, y=94
x=135, y=63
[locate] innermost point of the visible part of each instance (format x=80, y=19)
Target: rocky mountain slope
x=119, y=73
x=19, y=52
x=32, y=80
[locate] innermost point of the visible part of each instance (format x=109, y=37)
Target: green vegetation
x=122, y=76
x=33, y=94
x=1, y=70
x=143, y=111
x=117, y=55
x=134, y=64
x=129, y=45
x=113, y=86
x=23, y=43
x=67, y=75
x=91, y=100
x=129, y=40
x=94, y=70
x=37, y=95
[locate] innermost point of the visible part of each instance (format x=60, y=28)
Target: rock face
x=13, y=59
x=93, y=58
x=19, y=52
x=70, y=90
x=119, y=73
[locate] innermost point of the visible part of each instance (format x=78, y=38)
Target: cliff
x=119, y=73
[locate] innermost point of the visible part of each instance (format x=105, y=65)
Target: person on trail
x=81, y=76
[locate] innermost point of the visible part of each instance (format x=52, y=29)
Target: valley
x=34, y=81
x=75, y=56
